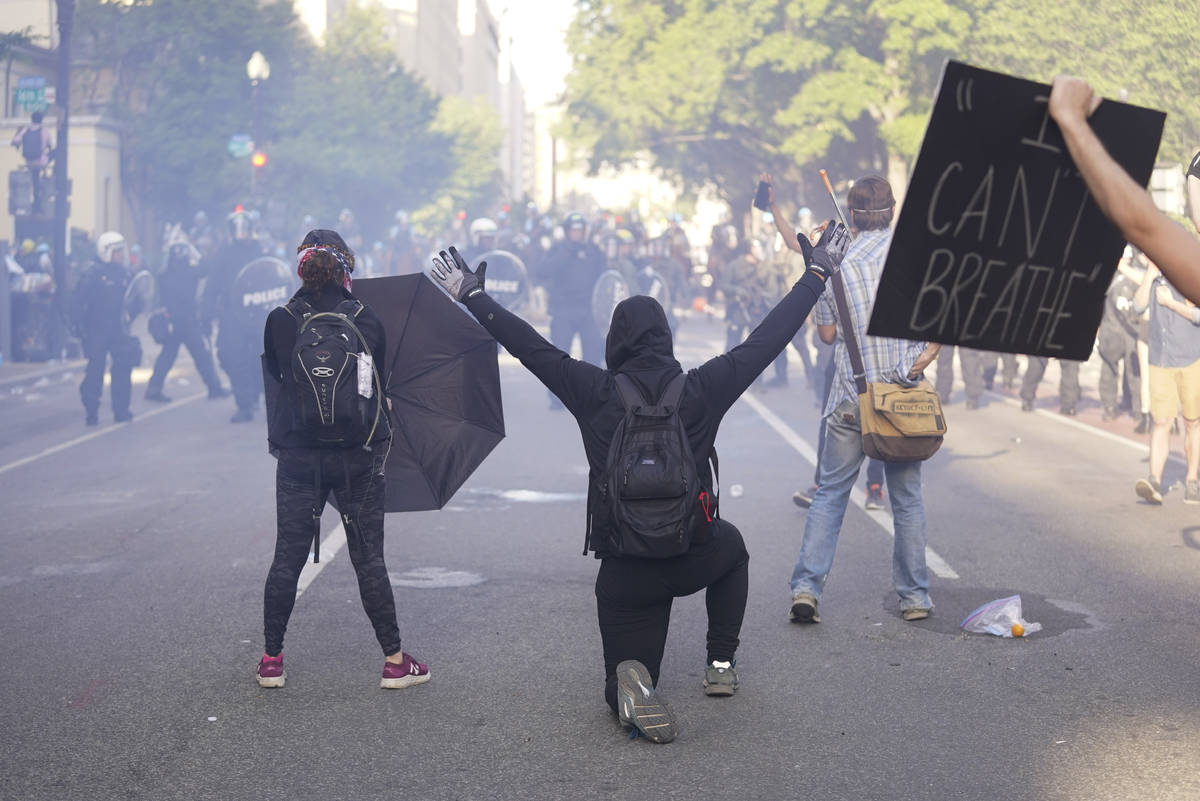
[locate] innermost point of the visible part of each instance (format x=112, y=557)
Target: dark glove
x=830, y=250
x=453, y=275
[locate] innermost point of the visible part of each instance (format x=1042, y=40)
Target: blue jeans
x=840, y=462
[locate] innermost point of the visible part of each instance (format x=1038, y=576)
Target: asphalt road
x=132, y=560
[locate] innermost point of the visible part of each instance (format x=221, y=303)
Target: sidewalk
x=16, y=373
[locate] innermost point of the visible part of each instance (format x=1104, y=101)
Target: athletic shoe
x=1110, y=414
x=720, y=678
x=1149, y=489
x=874, y=497
x=1191, y=492
x=92, y=419
x=638, y=706
x=1027, y=406
x=242, y=416
x=1069, y=411
x=123, y=417
x=804, y=608
x=158, y=397
x=271, y=672
x=804, y=498
x=914, y=613
x=406, y=673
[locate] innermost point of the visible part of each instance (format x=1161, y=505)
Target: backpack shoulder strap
x=631, y=396
x=673, y=392
x=350, y=307
x=298, y=308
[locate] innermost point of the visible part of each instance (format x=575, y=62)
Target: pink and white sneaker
x=406, y=673
x=270, y=671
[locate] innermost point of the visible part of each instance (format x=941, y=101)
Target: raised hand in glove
x=453, y=275
x=830, y=250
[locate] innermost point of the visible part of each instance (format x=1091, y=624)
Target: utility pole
x=62, y=98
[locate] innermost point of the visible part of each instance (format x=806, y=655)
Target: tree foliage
x=715, y=91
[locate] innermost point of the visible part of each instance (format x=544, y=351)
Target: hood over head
x=639, y=337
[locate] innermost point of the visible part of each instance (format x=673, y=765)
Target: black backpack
x=31, y=144
x=650, y=484
x=327, y=409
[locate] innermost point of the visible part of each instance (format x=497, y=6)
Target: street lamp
x=258, y=69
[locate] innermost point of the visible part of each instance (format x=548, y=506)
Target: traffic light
x=259, y=159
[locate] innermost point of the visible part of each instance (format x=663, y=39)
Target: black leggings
x=295, y=494
x=633, y=602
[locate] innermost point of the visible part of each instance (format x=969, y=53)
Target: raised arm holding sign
x=1128, y=205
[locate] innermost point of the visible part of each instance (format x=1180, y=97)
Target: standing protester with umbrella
x=640, y=577
x=327, y=426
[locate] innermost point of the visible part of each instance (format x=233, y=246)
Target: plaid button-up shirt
x=885, y=359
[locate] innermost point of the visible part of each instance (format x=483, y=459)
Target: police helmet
x=574, y=222
x=239, y=224
x=107, y=246
x=484, y=226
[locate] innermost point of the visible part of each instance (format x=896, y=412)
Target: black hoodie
x=640, y=346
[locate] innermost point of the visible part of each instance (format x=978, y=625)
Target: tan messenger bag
x=899, y=423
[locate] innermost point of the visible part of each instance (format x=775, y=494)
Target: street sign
x=30, y=93
x=999, y=245
x=240, y=146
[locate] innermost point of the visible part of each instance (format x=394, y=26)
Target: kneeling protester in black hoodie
x=634, y=593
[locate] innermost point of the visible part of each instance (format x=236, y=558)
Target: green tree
x=172, y=72
x=1145, y=49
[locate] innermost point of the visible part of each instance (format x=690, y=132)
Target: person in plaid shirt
x=872, y=208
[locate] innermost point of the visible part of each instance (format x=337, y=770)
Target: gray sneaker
x=1191, y=492
x=804, y=608
x=720, y=678
x=638, y=706
x=1149, y=490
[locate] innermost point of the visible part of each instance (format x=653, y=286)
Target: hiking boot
x=1149, y=489
x=914, y=613
x=242, y=416
x=804, y=608
x=638, y=706
x=271, y=672
x=804, y=498
x=874, y=497
x=720, y=678
x=158, y=397
x=1191, y=492
x=405, y=673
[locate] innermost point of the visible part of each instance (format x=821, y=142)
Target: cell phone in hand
x=762, y=198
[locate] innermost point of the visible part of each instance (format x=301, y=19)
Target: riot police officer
x=238, y=345
x=100, y=316
x=571, y=269
x=177, y=290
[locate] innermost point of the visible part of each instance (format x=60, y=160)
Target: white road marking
x=330, y=546
x=937, y=564
x=93, y=435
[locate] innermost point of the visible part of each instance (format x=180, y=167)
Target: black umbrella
x=444, y=384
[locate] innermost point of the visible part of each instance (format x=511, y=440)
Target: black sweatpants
x=634, y=596
x=201, y=357
x=296, y=492
x=92, y=386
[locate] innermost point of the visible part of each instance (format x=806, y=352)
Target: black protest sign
x=999, y=245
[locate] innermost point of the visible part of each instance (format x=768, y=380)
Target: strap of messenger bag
x=843, y=308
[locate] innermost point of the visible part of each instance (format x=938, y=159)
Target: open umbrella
x=444, y=384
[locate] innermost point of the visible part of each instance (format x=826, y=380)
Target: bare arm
x=784, y=227
x=1141, y=298
x=827, y=333
x=925, y=359
x=1129, y=206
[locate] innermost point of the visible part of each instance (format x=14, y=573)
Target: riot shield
x=259, y=287
x=610, y=289
x=139, y=297
x=652, y=283
x=507, y=279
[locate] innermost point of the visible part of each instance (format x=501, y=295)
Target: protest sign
x=999, y=245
